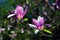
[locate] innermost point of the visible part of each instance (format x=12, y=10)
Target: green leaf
x=25, y=19
x=47, y=31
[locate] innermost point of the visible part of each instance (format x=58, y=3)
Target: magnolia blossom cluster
x=37, y=24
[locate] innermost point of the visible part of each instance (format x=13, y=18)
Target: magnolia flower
x=38, y=24
x=19, y=12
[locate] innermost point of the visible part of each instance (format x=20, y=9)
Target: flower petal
x=25, y=10
x=36, y=31
x=32, y=26
x=35, y=22
x=39, y=17
x=10, y=15
x=48, y=25
x=40, y=20
x=19, y=10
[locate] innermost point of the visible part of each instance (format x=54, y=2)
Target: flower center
x=18, y=16
x=40, y=28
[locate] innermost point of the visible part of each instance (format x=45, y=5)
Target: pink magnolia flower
x=19, y=12
x=38, y=24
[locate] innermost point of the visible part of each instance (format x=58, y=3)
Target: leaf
x=47, y=31
x=25, y=19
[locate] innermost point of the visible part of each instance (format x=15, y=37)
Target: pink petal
x=41, y=20
x=35, y=22
x=40, y=28
x=19, y=10
x=25, y=10
x=48, y=25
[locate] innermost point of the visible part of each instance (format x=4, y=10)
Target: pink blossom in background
x=19, y=12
